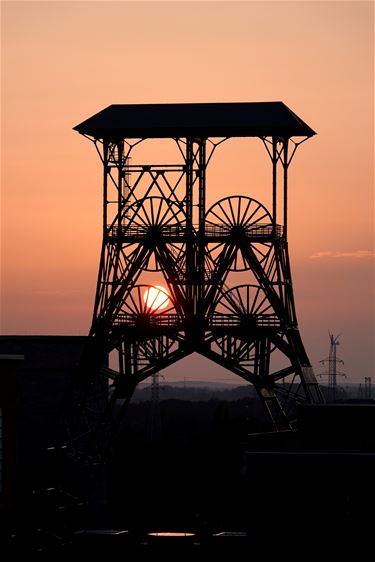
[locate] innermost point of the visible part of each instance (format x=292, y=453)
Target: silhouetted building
x=318, y=477
x=9, y=364
x=35, y=375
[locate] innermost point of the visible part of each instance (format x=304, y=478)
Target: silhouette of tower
x=332, y=372
x=158, y=231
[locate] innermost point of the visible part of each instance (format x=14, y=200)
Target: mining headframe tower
x=156, y=226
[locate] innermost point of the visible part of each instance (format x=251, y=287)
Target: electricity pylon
x=332, y=360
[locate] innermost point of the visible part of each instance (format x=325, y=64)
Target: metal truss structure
x=228, y=292
x=332, y=372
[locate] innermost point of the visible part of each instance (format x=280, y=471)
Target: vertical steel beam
x=274, y=183
x=202, y=225
x=105, y=187
x=190, y=242
x=285, y=164
x=120, y=165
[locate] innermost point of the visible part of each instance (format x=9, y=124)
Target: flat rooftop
x=200, y=120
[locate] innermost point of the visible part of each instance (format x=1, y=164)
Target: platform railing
x=261, y=230
x=215, y=320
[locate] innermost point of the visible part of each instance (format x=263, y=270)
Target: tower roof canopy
x=199, y=120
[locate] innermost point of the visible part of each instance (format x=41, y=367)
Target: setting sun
x=156, y=298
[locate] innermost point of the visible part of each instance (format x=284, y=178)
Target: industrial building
x=35, y=373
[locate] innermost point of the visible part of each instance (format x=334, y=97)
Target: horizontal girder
x=178, y=233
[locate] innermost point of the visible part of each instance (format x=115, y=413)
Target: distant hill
x=195, y=392
x=213, y=390
x=196, y=384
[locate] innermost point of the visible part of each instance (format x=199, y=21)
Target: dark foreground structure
x=203, y=487
x=158, y=232
x=171, y=283
x=36, y=373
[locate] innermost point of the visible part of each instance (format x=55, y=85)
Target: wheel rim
x=236, y=218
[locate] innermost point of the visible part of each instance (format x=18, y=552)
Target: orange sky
x=64, y=61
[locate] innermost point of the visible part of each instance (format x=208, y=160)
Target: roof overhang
x=195, y=120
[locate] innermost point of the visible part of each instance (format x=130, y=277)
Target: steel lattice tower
x=156, y=228
x=332, y=361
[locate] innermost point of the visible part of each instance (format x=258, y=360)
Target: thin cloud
x=320, y=255
x=356, y=254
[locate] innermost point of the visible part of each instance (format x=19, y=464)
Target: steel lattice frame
x=155, y=222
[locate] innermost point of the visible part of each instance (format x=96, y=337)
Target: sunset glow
x=156, y=298
x=316, y=57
